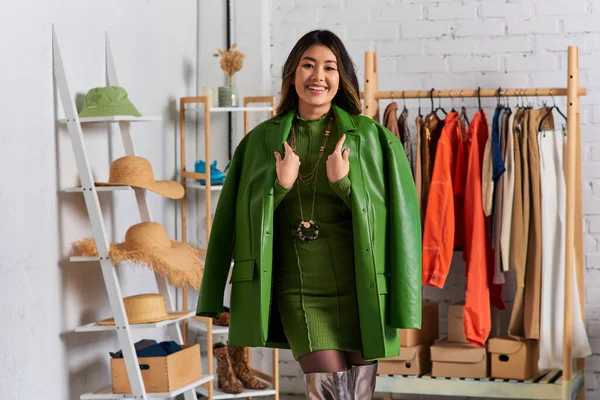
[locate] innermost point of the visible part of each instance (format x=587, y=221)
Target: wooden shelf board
x=79, y=189
x=545, y=386
x=192, y=183
x=107, y=393
x=94, y=327
x=114, y=118
x=220, y=395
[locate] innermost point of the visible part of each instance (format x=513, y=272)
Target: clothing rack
x=542, y=387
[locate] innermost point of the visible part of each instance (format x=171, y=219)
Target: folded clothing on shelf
x=216, y=177
x=150, y=348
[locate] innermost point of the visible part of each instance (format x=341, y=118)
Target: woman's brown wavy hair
x=347, y=96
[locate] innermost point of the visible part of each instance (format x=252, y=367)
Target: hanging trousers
x=553, y=209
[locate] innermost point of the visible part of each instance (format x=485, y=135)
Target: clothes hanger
x=431, y=98
x=554, y=107
x=404, y=100
x=463, y=116
x=479, y=98
x=498, y=102
x=507, y=101
x=452, y=102
x=529, y=104
x=463, y=109
x=503, y=100
x=433, y=109
x=440, y=108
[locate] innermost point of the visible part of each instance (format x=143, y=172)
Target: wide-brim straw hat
x=144, y=309
x=137, y=172
x=147, y=244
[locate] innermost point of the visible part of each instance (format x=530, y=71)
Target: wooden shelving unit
x=189, y=180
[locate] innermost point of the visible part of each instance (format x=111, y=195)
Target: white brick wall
x=464, y=44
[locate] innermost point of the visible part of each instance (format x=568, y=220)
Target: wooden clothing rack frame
x=189, y=181
x=544, y=386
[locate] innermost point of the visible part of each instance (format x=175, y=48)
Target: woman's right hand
x=287, y=168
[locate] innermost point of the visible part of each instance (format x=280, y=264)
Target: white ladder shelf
x=90, y=194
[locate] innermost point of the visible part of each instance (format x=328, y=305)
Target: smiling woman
x=308, y=273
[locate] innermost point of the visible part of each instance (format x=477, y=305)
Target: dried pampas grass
x=232, y=61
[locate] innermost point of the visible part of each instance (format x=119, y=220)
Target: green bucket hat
x=107, y=101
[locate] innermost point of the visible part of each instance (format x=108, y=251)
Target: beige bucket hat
x=147, y=244
x=144, y=309
x=137, y=172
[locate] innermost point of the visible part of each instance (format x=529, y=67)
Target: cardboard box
x=512, y=359
x=160, y=374
x=456, y=325
x=411, y=361
x=458, y=360
x=429, y=331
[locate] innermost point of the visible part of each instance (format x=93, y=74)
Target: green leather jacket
x=387, y=237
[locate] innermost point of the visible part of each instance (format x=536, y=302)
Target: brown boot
x=239, y=362
x=227, y=380
x=223, y=318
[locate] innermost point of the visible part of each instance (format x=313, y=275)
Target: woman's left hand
x=338, y=165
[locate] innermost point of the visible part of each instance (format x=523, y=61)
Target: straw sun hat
x=137, y=172
x=145, y=308
x=147, y=243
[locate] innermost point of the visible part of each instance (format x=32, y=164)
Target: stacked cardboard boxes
x=414, y=358
x=455, y=357
x=502, y=357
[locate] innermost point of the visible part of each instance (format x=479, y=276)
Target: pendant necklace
x=304, y=226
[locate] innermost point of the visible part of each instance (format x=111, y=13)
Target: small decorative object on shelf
x=208, y=91
x=232, y=61
x=216, y=176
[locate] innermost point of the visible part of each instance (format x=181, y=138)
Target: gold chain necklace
x=307, y=179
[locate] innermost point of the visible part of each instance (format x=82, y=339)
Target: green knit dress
x=314, y=281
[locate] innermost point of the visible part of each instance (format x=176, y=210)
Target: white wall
x=42, y=295
x=450, y=44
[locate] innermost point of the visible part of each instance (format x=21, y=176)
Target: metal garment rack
x=189, y=180
x=111, y=281
x=570, y=381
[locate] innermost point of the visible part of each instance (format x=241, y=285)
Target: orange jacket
x=439, y=226
x=480, y=255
